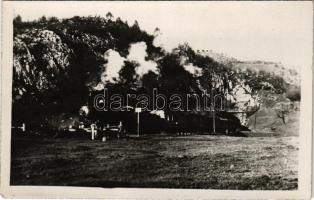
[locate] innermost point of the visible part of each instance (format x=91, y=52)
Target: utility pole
x=138, y=124
x=213, y=103
x=138, y=110
x=212, y=100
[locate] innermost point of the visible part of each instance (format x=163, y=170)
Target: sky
x=271, y=31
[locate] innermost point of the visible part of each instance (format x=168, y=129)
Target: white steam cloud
x=114, y=65
x=138, y=54
x=196, y=71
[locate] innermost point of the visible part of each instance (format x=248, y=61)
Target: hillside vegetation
x=59, y=62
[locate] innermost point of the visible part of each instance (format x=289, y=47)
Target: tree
x=136, y=25
x=43, y=19
x=294, y=94
x=156, y=32
x=17, y=19
x=53, y=20
x=282, y=109
x=109, y=15
x=128, y=74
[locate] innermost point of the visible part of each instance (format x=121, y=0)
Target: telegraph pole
x=138, y=110
x=212, y=100
x=213, y=103
x=138, y=124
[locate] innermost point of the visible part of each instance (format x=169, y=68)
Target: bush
x=294, y=94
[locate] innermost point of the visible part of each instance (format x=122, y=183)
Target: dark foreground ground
x=196, y=161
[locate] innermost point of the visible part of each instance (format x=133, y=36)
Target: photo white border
x=305, y=139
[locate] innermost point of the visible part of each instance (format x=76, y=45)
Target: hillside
x=58, y=63
x=265, y=119
x=291, y=76
x=277, y=114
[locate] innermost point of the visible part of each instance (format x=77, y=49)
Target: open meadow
x=158, y=161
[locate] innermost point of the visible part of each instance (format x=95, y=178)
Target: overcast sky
x=271, y=31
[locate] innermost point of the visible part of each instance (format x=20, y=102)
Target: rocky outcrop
x=39, y=56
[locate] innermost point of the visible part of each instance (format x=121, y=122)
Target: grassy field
x=163, y=161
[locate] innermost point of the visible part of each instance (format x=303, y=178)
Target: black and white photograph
x=158, y=95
